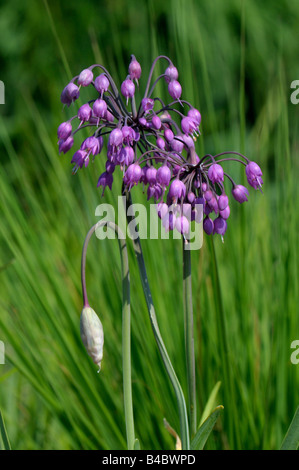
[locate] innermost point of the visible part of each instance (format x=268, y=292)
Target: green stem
x=184, y=428
x=126, y=322
x=189, y=337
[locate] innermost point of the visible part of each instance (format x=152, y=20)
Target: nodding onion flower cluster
x=153, y=145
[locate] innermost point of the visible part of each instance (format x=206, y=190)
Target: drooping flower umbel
x=153, y=144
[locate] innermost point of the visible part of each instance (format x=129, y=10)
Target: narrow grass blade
x=200, y=438
x=4, y=441
x=291, y=439
x=210, y=403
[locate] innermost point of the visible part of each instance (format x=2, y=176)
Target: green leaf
x=4, y=441
x=205, y=430
x=136, y=444
x=210, y=403
x=291, y=439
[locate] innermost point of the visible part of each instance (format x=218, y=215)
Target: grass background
x=236, y=61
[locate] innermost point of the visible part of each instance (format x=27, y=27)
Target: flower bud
x=127, y=88
x=171, y=73
x=85, y=78
x=92, y=335
x=101, y=83
x=134, y=69
x=64, y=130
x=240, y=193
x=175, y=89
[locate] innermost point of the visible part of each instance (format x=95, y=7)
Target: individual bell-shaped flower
x=100, y=108
x=215, y=173
x=85, y=78
x=101, y=84
x=254, y=175
x=69, y=94
x=177, y=190
x=175, y=89
x=163, y=175
x=171, y=73
x=84, y=113
x=182, y=224
x=64, y=130
x=106, y=179
x=128, y=89
x=134, y=69
x=208, y=225
x=240, y=193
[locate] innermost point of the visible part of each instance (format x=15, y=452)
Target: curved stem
x=126, y=322
x=184, y=428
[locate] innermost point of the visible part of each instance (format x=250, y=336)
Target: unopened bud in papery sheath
x=92, y=334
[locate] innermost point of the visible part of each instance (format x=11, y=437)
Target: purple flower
x=215, y=173
x=127, y=88
x=92, y=144
x=222, y=202
x=160, y=143
x=220, y=225
x=65, y=145
x=85, y=78
x=106, y=179
x=254, y=175
x=208, y=225
x=195, y=115
x=110, y=167
x=165, y=156
x=177, y=190
x=80, y=158
x=100, y=108
x=147, y=105
x=133, y=174
x=116, y=138
x=156, y=122
x=151, y=175
x=175, y=89
x=169, y=135
x=240, y=193
x=188, y=125
x=134, y=69
x=168, y=221
x=225, y=213
x=182, y=224
x=84, y=112
x=101, y=83
x=69, y=94
x=171, y=73
x=127, y=153
x=177, y=144
x=64, y=130
x=128, y=135
x=163, y=175
x=162, y=209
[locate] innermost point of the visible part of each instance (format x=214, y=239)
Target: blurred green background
x=236, y=61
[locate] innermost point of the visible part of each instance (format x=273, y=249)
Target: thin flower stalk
x=126, y=321
x=182, y=409
x=189, y=337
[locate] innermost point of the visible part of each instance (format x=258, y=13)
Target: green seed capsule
x=92, y=334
